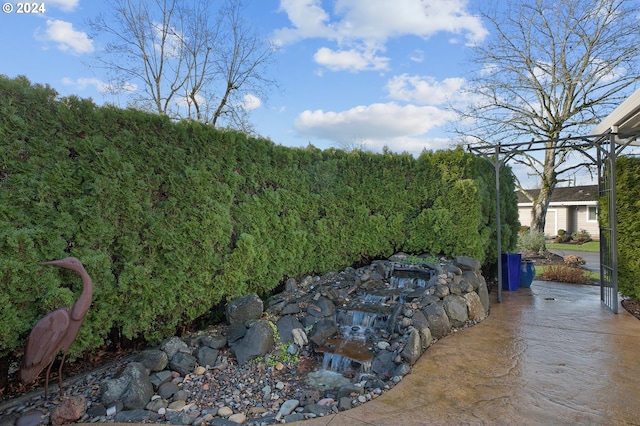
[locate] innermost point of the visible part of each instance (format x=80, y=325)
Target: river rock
x=285, y=325
x=456, y=309
x=131, y=386
x=174, y=345
x=257, y=342
x=244, y=309
x=183, y=363
x=69, y=410
x=438, y=320
x=206, y=356
x=474, y=306
x=153, y=359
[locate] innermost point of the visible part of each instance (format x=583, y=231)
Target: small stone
x=238, y=418
x=224, y=411
x=279, y=366
x=199, y=371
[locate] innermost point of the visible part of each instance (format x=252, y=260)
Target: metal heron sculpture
x=57, y=330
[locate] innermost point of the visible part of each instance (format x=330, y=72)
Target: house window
x=592, y=214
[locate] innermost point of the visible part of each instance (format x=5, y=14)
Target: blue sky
x=356, y=73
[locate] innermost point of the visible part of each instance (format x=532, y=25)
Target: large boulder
x=456, y=308
x=244, y=309
x=131, y=386
x=438, y=320
x=258, y=341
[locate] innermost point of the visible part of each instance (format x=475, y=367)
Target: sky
x=361, y=74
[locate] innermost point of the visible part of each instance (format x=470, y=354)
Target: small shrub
x=565, y=238
x=582, y=237
x=561, y=232
x=523, y=229
x=532, y=242
x=573, y=260
x=565, y=274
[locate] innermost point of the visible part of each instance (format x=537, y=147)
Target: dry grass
x=565, y=274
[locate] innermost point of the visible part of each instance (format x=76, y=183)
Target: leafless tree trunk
x=551, y=67
x=186, y=59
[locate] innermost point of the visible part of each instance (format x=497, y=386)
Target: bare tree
x=186, y=59
x=551, y=67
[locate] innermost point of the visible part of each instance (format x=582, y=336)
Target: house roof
x=569, y=195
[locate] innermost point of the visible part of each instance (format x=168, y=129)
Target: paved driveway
x=592, y=259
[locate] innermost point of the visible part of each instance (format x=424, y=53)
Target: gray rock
x=131, y=386
x=475, y=309
x=179, y=418
x=133, y=416
x=413, y=348
x=31, y=418
x=257, y=342
x=206, y=356
x=383, y=364
x=167, y=390
x=173, y=346
x=318, y=410
x=213, y=342
x=442, y=291
x=456, y=308
x=483, y=293
x=183, y=363
x=285, y=326
x=235, y=332
x=291, y=308
x=244, y=309
x=153, y=359
x=344, y=403
x=322, y=330
x=157, y=379
x=287, y=408
x=472, y=278
x=449, y=267
x=438, y=320
x=467, y=263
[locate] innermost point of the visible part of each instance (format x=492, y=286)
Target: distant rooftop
x=565, y=194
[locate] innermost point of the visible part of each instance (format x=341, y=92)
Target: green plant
x=581, y=237
x=561, y=232
x=420, y=259
x=532, y=242
x=280, y=353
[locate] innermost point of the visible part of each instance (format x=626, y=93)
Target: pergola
x=617, y=131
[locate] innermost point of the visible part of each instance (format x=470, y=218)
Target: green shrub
x=581, y=237
x=171, y=219
x=565, y=274
x=532, y=242
x=561, y=232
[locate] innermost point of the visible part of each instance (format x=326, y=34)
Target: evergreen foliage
x=628, y=225
x=171, y=219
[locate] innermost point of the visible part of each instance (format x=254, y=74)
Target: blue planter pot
x=527, y=273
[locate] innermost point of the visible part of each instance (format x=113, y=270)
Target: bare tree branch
x=186, y=59
x=551, y=67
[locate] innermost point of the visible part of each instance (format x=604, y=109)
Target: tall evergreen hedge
x=628, y=225
x=171, y=219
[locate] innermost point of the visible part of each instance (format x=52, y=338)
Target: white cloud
x=251, y=102
x=402, y=128
x=350, y=60
x=365, y=25
x=66, y=37
x=64, y=5
x=424, y=89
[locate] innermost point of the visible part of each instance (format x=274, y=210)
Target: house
x=571, y=208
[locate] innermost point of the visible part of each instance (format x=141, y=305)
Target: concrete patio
x=551, y=354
